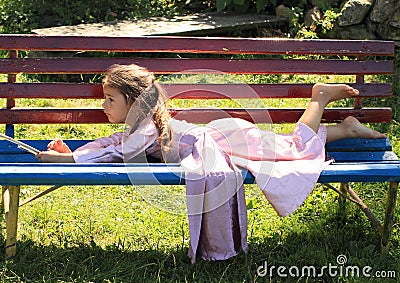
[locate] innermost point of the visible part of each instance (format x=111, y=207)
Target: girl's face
x=115, y=105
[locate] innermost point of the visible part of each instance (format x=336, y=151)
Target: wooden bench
x=357, y=160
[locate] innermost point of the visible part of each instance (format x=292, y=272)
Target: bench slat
x=9, y=148
x=155, y=174
x=193, y=66
x=353, y=144
x=196, y=45
x=343, y=150
x=362, y=156
x=198, y=115
x=282, y=115
x=359, y=144
x=23, y=157
x=183, y=91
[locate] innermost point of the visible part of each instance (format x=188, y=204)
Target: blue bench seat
x=356, y=160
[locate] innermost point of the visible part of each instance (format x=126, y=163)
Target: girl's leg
x=322, y=94
x=351, y=128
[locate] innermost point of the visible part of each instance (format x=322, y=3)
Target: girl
x=286, y=167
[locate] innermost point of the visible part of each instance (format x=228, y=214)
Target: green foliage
x=21, y=16
x=319, y=27
x=329, y=20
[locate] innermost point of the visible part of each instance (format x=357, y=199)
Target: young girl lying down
x=286, y=167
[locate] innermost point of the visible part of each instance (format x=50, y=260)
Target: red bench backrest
x=212, y=55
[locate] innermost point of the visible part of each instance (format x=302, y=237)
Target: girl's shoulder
x=147, y=127
x=181, y=126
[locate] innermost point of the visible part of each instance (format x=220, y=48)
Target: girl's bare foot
x=330, y=92
x=355, y=129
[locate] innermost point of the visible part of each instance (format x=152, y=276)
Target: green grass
x=111, y=234
x=123, y=234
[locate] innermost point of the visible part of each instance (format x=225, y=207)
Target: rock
x=353, y=32
x=388, y=32
x=313, y=16
x=284, y=12
x=371, y=26
x=325, y=4
x=354, y=12
x=386, y=15
x=383, y=10
x=395, y=21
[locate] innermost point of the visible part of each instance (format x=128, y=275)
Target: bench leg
x=11, y=202
x=5, y=200
x=389, y=214
x=343, y=189
x=346, y=190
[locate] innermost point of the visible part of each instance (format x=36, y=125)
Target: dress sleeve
x=117, y=147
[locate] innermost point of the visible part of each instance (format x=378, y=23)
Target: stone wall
x=360, y=19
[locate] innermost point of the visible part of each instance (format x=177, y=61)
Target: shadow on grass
x=321, y=241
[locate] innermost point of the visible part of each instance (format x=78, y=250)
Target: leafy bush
x=21, y=16
x=319, y=28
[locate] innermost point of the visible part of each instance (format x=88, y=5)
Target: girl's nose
x=105, y=103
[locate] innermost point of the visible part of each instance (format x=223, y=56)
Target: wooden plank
x=183, y=91
x=282, y=115
x=363, y=156
x=359, y=145
x=342, y=156
x=96, y=174
x=195, y=66
x=173, y=174
x=51, y=90
x=195, y=115
x=361, y=172
x=223, y=91
x=21, y=157
x=52, y=116
x=8, y=148
x=343, y=150
x=197, y=45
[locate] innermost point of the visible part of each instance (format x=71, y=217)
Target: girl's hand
x=52, y=156
x=59, y=146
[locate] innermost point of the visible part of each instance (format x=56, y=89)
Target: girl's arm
x=119, y=147
x=58, y=152
x=52, y=156
x=106, y=149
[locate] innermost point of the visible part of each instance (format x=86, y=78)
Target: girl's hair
x=138, y=86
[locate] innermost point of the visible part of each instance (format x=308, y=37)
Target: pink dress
x=285, y=167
